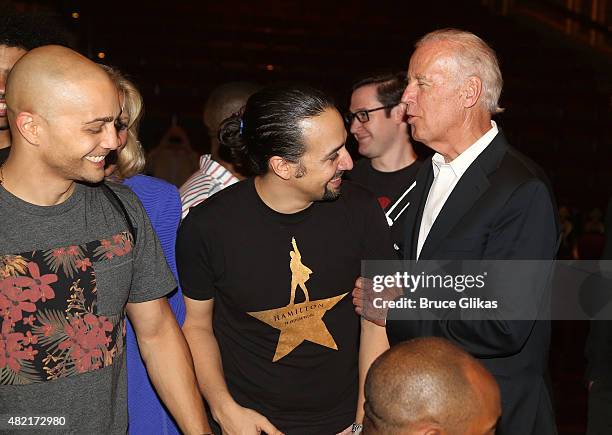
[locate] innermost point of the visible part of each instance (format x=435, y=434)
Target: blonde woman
x=162, y=203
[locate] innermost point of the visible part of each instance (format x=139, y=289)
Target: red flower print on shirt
x=12, y=352
x=39, y=285
x=29, y=320
x=48, y=330
x=73, y=250
x=87, y=339
x=83, y=264
x=13, y=301
x=30, y=339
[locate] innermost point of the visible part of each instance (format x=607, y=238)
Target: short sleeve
x=151, y=276
x=193, y=259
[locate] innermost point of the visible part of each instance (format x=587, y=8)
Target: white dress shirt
x=446, y=177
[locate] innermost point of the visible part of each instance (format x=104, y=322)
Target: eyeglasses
x=362, y=115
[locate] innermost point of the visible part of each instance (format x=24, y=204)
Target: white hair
x=474, y=58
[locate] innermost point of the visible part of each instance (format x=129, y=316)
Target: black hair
x=269, y=124
x=29, y=30
x=389, y=88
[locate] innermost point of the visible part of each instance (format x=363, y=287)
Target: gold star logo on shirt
x=303, y=321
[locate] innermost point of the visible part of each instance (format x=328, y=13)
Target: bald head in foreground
x=62, y=110
x=429, y=386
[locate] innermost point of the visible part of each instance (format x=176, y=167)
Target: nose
x=3, y=77
x=355, y=125
x=111, y=139
x=409, y=95
x=346, y=162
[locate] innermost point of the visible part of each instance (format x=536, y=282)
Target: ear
x=281, y=167
x=472, y=89
x=398, y=113
x=29, y=127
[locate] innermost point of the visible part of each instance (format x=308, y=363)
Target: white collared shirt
x=457, y=167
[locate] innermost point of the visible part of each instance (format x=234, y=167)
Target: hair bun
x=231, y=134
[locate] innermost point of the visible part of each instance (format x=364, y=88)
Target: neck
x=45, y=189
x=397, y=157
x=278, y=195
x=463, y=136
x=5, y=138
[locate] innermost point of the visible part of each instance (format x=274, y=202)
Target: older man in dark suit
x=476, y=198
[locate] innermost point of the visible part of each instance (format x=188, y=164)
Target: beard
x=330, y=194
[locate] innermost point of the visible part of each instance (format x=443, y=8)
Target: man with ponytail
x=275, y=257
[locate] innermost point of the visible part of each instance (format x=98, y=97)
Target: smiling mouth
x=95, y=159
x=337, y=177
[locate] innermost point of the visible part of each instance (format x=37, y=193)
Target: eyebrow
x=332, y=152
x=103, y=119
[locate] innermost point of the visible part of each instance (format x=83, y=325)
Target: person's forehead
x=428, y=56
x=323, y=132
x=364, y=97
x=89, y=100
x=10, y=55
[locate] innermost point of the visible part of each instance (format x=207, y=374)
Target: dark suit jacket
x=502, y=208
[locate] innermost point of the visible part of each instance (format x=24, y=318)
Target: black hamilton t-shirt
x=284, y=318
x=388, y=188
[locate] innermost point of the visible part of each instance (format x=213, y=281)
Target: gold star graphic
x=299, y=322
x=303, y=321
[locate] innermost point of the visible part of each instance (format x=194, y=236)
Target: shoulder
x=360, y=169
x=200, y=184
x=355, y=195
x=417, y=164
x=155, y=194
x=151, y=185
x=125, y=193
x=521, y=181
x=517, y=170
x=226, y=200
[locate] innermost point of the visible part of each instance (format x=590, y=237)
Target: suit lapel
x=473, y=183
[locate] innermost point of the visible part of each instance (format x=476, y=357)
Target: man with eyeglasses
x=376, y=120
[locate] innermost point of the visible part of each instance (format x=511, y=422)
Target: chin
x=330, y=194
x=93, y=179
x=364, y=151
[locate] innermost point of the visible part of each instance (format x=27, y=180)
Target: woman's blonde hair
x=131, y=160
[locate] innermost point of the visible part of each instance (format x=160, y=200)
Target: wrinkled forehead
x=432, y=56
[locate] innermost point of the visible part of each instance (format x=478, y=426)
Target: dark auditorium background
x=555, y=56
